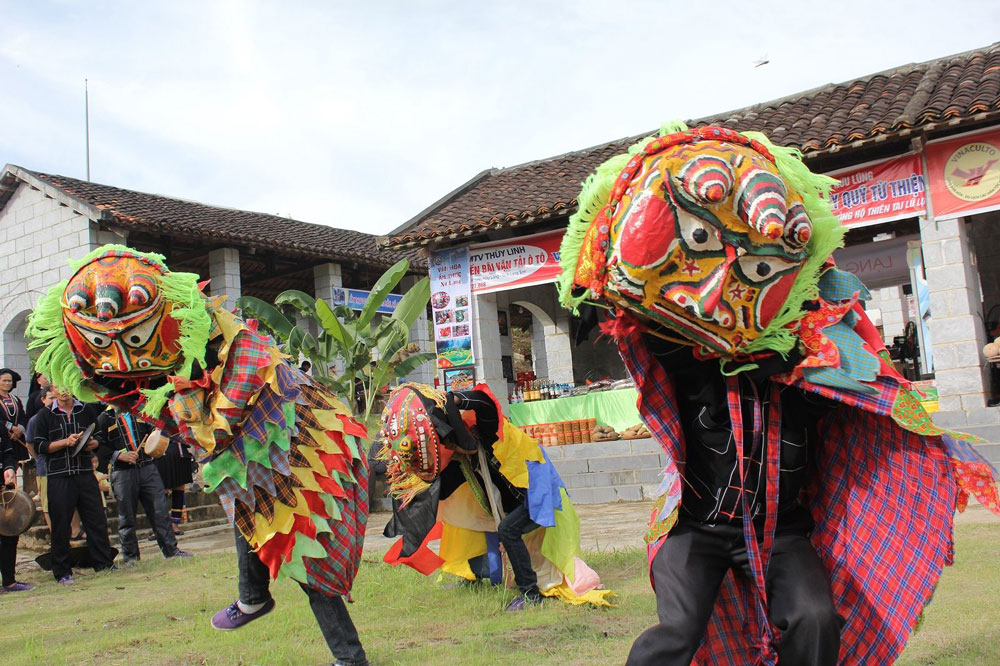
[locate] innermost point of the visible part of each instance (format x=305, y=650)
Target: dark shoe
x=522, y=602
x=80, y=536
x=18, y=586
x=180, y=553
x=231, y=617
x=151, y=537
x=66, y=580
x=178, y=533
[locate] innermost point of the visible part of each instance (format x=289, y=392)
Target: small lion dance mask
x=410, y=440
x=116, y=318
x=701, y=234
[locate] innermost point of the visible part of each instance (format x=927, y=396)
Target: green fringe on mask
x=827, y=234
x=45, y=330
x=593, y=197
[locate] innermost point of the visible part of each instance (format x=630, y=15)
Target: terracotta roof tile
x=952, y=88
x=156, y=213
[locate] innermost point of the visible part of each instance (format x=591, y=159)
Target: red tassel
x=622, y=325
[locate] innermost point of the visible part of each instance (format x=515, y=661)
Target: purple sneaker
x=181, y=553
x=18, y=586
x=66, y=580
x=231, y=617
x=522, y=602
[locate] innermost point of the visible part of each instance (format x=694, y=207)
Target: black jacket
x=54, y=424
x=118, y=433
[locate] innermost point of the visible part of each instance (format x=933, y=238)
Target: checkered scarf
x=883, y=511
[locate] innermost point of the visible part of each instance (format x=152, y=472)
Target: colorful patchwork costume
x=796, y=451
x=280, y=450
x=444, y=453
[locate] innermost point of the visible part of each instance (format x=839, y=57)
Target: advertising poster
x=451, y=307
x=459, y=379
x=515, y=262
x=964, y=174
x=879, y=192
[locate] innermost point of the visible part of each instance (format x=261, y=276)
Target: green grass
x=159, y=614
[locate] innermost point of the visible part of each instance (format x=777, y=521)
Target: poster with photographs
x=450, y=296
x=459, y=379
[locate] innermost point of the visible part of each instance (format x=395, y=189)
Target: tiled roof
x=949, y=90
x=159, y=214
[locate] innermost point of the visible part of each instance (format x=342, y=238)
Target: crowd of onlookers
x=40, y=447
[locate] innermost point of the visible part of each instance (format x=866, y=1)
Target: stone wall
x=37, y=237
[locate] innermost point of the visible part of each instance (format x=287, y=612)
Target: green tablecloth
x=612, y=408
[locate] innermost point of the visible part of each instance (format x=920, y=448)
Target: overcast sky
x=361, y=114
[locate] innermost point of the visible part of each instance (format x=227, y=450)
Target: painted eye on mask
x=760, y=269
x=98, y=340
x=698, y=235
x=139, y=335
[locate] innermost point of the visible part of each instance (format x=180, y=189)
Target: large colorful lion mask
x=123, y=318
x=712, y=235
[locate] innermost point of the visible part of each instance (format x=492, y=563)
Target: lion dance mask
x=721, y=242
x=279, y=449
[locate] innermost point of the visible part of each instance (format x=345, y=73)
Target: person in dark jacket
x=72, y=484
x=134, y=479
x=8, y=544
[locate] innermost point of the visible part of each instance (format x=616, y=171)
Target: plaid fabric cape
x=883, y=511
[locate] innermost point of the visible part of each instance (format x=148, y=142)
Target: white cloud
x=361, y=116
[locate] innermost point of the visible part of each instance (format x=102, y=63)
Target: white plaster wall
x=37, y=237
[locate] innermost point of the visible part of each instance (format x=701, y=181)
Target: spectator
x=48, y=396
x=72, y=484
x=376, y=469
x=39, y=385
x=175, y=468
x=13, y=411
x=135, y=479
x=8, y=544
x=305, y=367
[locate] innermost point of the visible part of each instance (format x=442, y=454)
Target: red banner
x=965, y=174
x=515, y=262
x=879, y=192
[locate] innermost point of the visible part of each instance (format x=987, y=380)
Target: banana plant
x=371, y=354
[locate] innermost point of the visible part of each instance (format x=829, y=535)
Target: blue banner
x=356, y=299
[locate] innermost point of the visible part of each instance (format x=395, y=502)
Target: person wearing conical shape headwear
x=798, y=457
x=279, y=449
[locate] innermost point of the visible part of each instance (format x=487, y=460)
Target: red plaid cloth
x=883, y=510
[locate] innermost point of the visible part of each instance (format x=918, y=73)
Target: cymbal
x=17, y=512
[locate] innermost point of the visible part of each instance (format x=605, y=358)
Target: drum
x=155, y=444
x=17, y=512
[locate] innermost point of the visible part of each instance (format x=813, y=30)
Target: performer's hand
x=129, y=457
x=17, y=432
x=69, y=442
x=8, y=477
x=91, y=445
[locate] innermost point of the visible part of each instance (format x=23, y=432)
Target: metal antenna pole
x=86, y=116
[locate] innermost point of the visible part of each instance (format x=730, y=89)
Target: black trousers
x=688, y=571
x=77, y=492
x=511, y=531
x=331, y=612
x=8, y=558
x=142, y=483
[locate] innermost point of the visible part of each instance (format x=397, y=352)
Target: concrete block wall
x=38, y=235
x=891, y=302
x=224, y=272
x=599, y=472
x=486, y=345
x=956, y=325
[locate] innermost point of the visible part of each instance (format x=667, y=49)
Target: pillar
x=956, y=328
x=559, y=349
x=486, y=345
x=420, y=333
x=224, y=272
x=326, y=278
